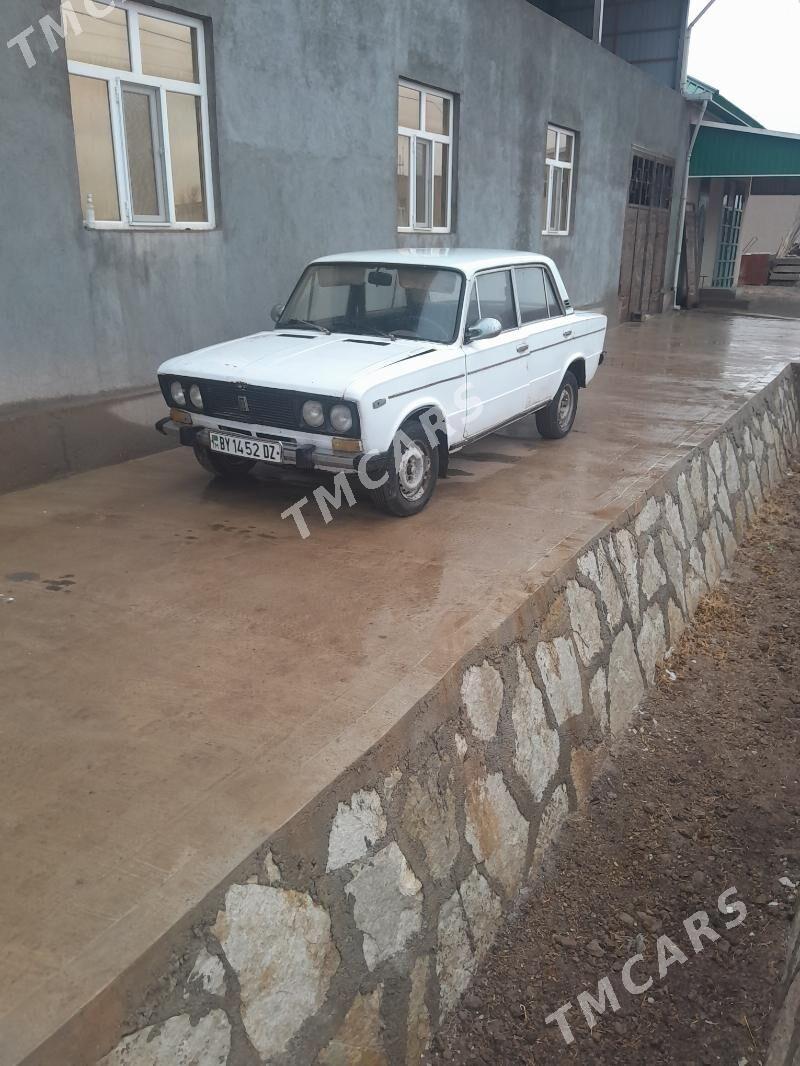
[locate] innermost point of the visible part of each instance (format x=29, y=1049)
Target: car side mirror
x=277, y=311
x=483, y=330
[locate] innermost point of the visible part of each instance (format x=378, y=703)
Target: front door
x=497, y=374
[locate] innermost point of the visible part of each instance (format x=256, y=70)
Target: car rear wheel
x=412, y=473
x=230, y=467
x=555, y=421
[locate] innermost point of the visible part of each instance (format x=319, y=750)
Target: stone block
x=176, y=1042
x=359, y=1039
x=356, y=827
x=585, y=621
x=429, y=818
x=651, y=642
x=536, y=745
x=625, y=686
x=482, y=695
x=387, y=905
x=496, y=831
x=279, y=944
x=561, y=677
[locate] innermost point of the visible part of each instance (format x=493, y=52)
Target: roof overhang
x=728, y=151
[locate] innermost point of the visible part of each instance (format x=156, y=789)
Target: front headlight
x=196, y=397
x=313, y=414
x=341, y=418
x=177, y=393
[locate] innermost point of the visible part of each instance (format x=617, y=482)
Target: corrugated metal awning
x=723, y=151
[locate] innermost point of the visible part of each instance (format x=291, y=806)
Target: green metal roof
x=728, y=151
x=720, y=109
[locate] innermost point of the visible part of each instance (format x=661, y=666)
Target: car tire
x=410, y=484
x=230, y=467
x=555, y=421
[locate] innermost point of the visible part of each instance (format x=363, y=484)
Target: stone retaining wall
x=358, y=926
x=784, y=1047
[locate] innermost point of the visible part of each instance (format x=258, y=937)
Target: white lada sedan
x=383, y=364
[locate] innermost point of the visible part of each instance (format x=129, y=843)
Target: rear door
x=497, y=374
x=546, y=330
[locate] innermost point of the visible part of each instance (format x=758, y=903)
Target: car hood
x=291, y=359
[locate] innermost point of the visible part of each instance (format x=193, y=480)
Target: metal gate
x=729, y=230
x=645, y=237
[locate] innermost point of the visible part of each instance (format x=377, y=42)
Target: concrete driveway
x=181, y=672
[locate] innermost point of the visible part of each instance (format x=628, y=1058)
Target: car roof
x=468, y=260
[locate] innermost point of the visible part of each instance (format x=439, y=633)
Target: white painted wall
x=767, y=220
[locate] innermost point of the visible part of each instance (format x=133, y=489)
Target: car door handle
x=567, y=333
x=522, y=348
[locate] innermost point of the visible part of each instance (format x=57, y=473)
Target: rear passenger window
x=497, y=298
x=531, y=294
x=553, y=302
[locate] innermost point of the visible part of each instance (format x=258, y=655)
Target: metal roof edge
x=749, y=129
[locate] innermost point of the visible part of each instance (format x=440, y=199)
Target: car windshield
x=416, y=302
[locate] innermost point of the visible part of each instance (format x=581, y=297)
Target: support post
x=597, y=32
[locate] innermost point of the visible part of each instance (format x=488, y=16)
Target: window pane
x=555, y=199
x=422, y=192
x=497, y=298
x=437, y=114
x=566, y=187
x=141, y=153
x=403, y=181
x=552, y=139
x=169, y=50
x=185, y=145
x=553, y=302
x=92, y=120
x=565, y=141
x=531, y=294
x=408, y=108
x=102, y=41
x=441, y=155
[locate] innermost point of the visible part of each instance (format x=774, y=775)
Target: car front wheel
x=555, y=420
x=230, y=467
x=411, y=474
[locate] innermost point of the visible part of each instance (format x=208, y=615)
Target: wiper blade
x=406, y=334
x=301, y=322
x=370, y=331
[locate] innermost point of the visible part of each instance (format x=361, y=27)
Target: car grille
x=267, y=407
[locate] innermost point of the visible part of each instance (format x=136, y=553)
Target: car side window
x=496, y=295
x=553, y=302
x=531, y=294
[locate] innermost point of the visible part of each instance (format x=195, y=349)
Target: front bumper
x=301, y=456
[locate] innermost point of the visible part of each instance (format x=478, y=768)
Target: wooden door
x=642, y=279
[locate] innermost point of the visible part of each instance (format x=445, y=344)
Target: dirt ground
x=702, y=794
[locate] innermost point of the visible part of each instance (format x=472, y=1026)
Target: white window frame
x=433, y=138
x=116, y=81
x=551, y=165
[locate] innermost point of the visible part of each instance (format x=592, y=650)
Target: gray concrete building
x=166, y=171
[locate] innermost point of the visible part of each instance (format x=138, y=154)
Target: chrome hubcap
x=413, y=472
x=565, y=406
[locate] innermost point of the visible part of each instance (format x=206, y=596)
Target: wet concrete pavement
x=181, y=673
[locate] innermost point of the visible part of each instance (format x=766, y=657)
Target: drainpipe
x=684, y=196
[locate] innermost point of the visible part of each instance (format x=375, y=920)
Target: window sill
x=555, y=233
x=124, y=227
x=404, y=229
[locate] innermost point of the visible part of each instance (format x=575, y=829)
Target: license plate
x=267, y=451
